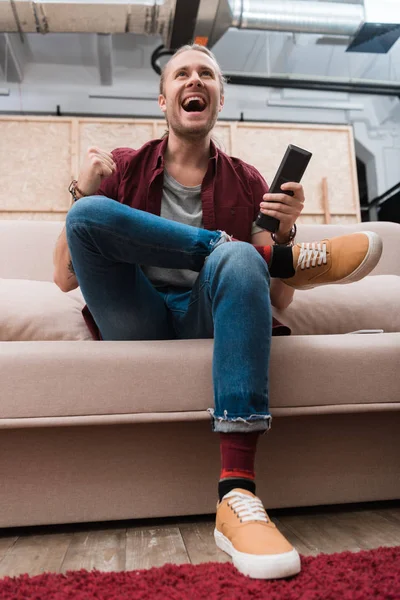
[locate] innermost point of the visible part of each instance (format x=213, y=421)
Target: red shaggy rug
x=372, y=574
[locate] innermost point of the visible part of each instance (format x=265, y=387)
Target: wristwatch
x=289, y=241
x=73, y=188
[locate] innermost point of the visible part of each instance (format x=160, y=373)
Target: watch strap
x=289, y=241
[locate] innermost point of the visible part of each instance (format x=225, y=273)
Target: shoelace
x=310, y=253
x=246, y=507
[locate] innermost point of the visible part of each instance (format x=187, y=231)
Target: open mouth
x=194, y=104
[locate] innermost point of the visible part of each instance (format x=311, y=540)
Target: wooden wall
x=40, y=155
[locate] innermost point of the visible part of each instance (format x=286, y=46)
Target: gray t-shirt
x=183, y=204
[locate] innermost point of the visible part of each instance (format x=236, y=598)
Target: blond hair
x=199, y=48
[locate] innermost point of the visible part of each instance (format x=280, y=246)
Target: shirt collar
x=159, y=155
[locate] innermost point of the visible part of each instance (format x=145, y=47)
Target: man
x=164, y=246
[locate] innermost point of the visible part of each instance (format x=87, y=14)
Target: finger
x=108, y=157
x=109, y=163
x=278, y=197
x=297, y=188
x=278, y=208
x=106, y=165
x=291, y=185
x=103, y=166
x=283, y=199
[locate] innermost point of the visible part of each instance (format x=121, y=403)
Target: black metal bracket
x=184, y=22
x=183, y=29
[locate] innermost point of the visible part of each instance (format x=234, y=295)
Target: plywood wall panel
x=35, y=159
x=308, y=219
x=161, y=128
x=345, y=219
x=32, y=216
x=108, y=135
x=221, y=134
x=40, y=155
x=222, y=137
x=265, y=145
x=335, y=219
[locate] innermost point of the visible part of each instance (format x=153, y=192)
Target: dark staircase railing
x=380, y=200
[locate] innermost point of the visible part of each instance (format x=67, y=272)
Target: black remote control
x=292, y=168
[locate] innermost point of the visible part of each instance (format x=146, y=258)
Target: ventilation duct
x=179, y=21
x=299, y=16
x=151, y=17
x=374, y=25
x=212, y=18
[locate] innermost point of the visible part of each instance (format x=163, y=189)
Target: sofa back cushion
x=26, y=247
x=39, y=310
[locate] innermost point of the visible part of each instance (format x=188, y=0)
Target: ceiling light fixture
x=120, y=97
x=316, y=104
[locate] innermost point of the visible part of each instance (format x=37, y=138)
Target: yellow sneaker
x=342, y=259
x=245, y=532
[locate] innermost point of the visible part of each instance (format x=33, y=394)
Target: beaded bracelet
x=73, y=188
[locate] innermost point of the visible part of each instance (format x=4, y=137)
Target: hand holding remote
x=291, y=169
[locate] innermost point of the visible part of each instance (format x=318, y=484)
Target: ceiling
x=246, y=50
x=243, y=51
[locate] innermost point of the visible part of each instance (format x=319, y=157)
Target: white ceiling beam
x=105, y=57
x=370, y=62
x=11, y=58
x=280, y=63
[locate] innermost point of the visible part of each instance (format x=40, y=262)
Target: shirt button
x=233, y=211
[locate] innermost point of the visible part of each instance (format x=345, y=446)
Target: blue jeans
x=230, y=300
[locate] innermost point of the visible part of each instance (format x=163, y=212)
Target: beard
x=192, y=131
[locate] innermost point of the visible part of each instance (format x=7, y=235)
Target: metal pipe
x=302, y=82
x=301, y=16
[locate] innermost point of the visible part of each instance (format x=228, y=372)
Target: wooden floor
x=130, y=545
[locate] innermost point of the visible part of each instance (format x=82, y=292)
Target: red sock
x=238, y=451
x=265, y=251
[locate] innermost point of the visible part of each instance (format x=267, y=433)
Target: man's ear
x=162, y=102
x=221, y=103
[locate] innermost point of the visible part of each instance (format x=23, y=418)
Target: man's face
x=192, y=94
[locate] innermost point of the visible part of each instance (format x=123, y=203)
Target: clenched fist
x=98, y=165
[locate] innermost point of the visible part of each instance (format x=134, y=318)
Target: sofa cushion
x=39, y=310
x=372, y=303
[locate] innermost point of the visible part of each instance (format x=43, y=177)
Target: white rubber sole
x=273, y=566
x=369, y=263
x=371, y=258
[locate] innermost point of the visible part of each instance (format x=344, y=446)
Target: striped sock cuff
x=229, y=473
x=265, y=252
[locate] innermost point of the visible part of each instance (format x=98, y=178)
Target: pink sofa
x=98, y=431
